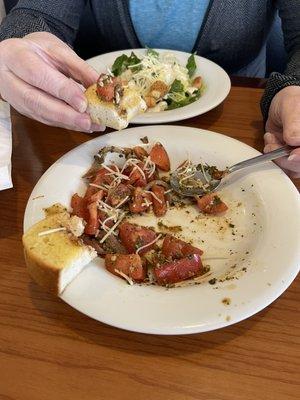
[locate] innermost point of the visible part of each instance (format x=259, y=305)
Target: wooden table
x=48, y=351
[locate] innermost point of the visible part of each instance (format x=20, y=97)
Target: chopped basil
x=176, y=86
x=123, y=62
x=191, y=65
x=152, y=53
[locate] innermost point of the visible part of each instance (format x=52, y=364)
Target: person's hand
x=283, y=127
x=40, y=76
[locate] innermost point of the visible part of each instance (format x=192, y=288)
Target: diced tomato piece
x=197, y=82
x=211, y=204
x=178, y=270
x=141, y=201
x=118, y=194
x=160, y=157
x=79, y=206
x=128, y=264
x=159, y=200
x=96, y=196
x=101, y=176
x=176, y=248
x=106, y=87
x=93, y=221
x=133, y=237
x=136, y=178
x=102, y=216
x=140, y=152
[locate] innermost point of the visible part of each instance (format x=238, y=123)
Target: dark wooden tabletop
x=50, y=351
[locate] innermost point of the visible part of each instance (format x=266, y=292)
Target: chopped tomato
x=140, y=152
x=176, y=248
x=128, y=264
x=211, y=204
x=102, y=216
x=159, y=201
x=133, y=237
x=100, y=177
x=160, y=157
x=93, y=221
x=197, y=82
x=96, y=196
x=106, y=87
x=118, y=194
x=141, y=201
x=136, y=178
x=178, y=270
x=79, y=206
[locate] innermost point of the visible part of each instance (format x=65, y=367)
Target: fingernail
x=268, y=135
x=294, y=157
x=80, y=104
x=85, y=124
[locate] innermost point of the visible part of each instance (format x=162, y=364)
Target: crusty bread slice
x=108, y=114
x=55, y=259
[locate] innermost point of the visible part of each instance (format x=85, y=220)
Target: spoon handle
x=272, y=155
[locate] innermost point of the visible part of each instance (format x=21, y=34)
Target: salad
x=138, y=182
x=160, y=79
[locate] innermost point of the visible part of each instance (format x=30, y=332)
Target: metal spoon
x=210, y=184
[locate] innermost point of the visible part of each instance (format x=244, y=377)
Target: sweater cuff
x=275, y=83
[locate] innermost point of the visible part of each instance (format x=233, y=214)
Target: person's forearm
x=56, y=16
x=289, y=12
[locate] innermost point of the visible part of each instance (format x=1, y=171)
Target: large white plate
x=264, y=207
x=216, y=81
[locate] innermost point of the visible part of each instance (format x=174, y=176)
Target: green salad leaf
x=191, y=65
x=122, y=62
x=153, y=53
x=188, y=99
x=176, y=86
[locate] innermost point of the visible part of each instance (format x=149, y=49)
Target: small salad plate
x=252, y=252
x=167, y=65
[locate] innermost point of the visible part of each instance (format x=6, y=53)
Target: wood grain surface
x=50, y=351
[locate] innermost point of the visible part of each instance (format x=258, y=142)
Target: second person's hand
x=38, y=77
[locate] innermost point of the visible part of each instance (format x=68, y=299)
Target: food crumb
x=38, y=197
x=228, y=318
x=269, y=284
x=212, y=281
x=226, y=301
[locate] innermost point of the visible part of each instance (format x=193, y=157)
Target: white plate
x=216, y=81
x=264, y=207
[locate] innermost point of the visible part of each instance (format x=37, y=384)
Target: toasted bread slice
x=108, y=114
x=54, y=258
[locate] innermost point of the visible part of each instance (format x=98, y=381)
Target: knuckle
x=31, y=100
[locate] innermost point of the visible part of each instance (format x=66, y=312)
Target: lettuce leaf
x=187, y=100
x=122, y=62
x=176, y=87
x=153, y=53
x=191, y=65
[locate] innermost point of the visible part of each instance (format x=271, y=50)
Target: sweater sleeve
x=289, y=12
x=59, y=17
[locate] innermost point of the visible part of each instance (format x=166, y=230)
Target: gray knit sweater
x=232, y=33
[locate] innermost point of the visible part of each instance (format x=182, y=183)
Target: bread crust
x=42, y=273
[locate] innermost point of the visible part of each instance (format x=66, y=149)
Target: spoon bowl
x=200, y=180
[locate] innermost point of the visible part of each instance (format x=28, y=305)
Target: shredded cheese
x=122, y=202
x=51, y=231
x=98, y=186
x=126, y=277
x=154, y=195
x=112, y=229
x=148, y=244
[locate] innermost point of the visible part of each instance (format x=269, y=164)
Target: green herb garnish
x=176, y=87
x=191, y=65
x=123, y=62
x=152, y=53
